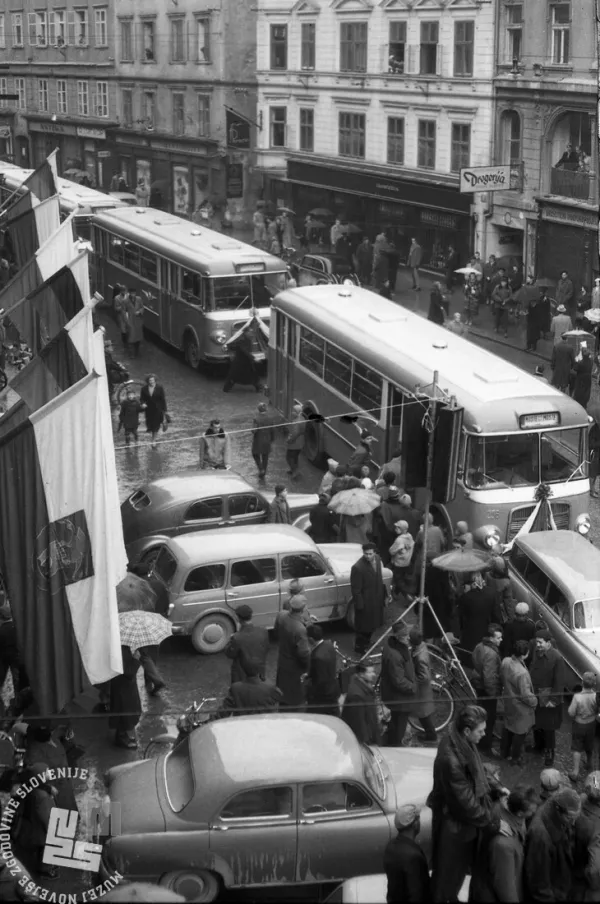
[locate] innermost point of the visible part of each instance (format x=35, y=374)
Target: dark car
x=197, y=500
x=322, y=268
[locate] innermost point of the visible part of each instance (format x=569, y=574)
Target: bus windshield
x=525, y=459
x=238, y=293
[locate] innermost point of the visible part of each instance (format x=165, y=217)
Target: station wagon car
x=197, y=500
x=557, y=572
x=318, y=269
x=207, y=578
x=274, y=799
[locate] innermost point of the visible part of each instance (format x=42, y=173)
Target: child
x=583, y=710
x=129, y=416
x=365, y=478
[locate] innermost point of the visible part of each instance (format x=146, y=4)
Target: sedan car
x=207, y=579
x=318, y=269
x=262, y=801
x=557, y=572
x=197, y=500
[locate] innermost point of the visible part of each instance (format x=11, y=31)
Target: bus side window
x=191, y=287
x=148, y=268
x=131, y=257
x=557, y=601
x=115, y=250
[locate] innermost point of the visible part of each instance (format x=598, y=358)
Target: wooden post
x=430, y=446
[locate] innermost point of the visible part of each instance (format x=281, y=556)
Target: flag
x=40, y=185
x=61, y=542
x=60, y=247
x=39, y=317
x=28, y=231
x=20, y=286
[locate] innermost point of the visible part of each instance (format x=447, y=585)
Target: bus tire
x=314, y=442
x=191, y=351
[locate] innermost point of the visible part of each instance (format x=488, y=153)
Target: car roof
x=571, y=560
x=275, y=748
x=251, y=540
x=185, y=485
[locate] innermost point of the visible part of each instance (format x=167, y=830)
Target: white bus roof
x=185, y=242
x=407, y=349
x=73, y=197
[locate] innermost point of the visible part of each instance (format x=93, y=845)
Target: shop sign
x=98, y=134
x=235, y=180
x=4, y=131
x=238, y=131
x=102, y=155
x=574, y=217
x=441, y=220
x=176, y=148
x=55, y=128
x=132, y=139
x=485, y=178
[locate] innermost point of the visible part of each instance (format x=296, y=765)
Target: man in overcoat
x=263, y=434
x=248, y=646
x=563, y=359
x=294, y=652
x=369, y=595
x=323, y=686
x=547, y=677
x=398, y=684
x=253, y=695
x=360, y=706
x=548, y=871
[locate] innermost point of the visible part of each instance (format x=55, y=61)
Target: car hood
x=297, y=501
x=132, y=787
x=341, y=556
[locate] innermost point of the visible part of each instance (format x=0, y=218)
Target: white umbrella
x=466, y=271
x=593, y=315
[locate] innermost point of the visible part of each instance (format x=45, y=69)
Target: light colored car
x=197, y=500
x=267, y=800
x=557, y=572
x=208, y=578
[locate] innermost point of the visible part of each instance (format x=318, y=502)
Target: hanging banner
x=238, y=131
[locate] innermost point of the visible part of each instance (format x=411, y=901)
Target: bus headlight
x=488, y=536
x=219, y=337
x=583, y=524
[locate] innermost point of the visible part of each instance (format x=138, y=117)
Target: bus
x=343, y=350
x=199, y=287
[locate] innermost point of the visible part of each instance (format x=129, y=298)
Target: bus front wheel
x=192, y=352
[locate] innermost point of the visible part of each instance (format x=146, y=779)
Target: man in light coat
x=415, y=256
x=560, y=323
x=486, y=679
x=519, y=703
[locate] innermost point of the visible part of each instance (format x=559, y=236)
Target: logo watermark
x=61, y=848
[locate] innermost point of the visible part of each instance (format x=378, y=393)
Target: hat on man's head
x=262, y=406
x=400, y=629
x=244, y=612
x=279, y=488
x=567, y=800
x=406, y=500
x=297, y=603
x=406, y=816
x=551, y=779
x=521, y=609
x=561, y=309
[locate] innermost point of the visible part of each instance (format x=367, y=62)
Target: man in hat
x=398, y=683
x=323, y=522
x=294, y=652
x=360, y=707
x=279, y=510
x=252, y=696
x=560, y=323
x=548, y=869
x=263, y=435
x=295, y=440
x=565, y=294
x=551, y=780
x=562, y=362
x=404, y=861
x=582, y=386
x=547, y=677
x=248, y=646
x=369, y=595
x=384, y=518
x=322, y=685
x=521, y=627
x=362, y=453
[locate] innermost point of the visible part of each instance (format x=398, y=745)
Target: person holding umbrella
x=369, y=596
x=355, y=505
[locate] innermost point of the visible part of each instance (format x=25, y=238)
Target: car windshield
x=525, y=459
x=239, y=293
x=372, y=770
x=586, y=614
x=179, y=776
x=165, y=566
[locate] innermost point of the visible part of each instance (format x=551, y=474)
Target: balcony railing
x=570, y=183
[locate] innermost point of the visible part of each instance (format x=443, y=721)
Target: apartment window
x=278, y=46
x=148, y=41
x=127, y=107
x=460, y=146
x=514, y=32
x=4, y=90
x=83, y=98
x=307, y=129
x=126, y=40
x=464, y=33
x=426, y=144
x=61, y=96
x=308, y=41
x=2, y=30
x=203, y=40
x=21, y=91
x=38, y=29
x=278, y=123
x=78, y=28
x=352, y=135
x=177, y=40
x=100, y=29
x=430, y=32
x=57, y=35
x=43, y=95
x=203, y=110
x=395, y=140
x=102, y=98
x=17, y=29
x=560, y=18
x=148, y=109
x=353, y=47
x=178, y=101
x=510, y=131
x=397, y=48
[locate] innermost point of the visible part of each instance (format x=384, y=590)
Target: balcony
x=571, y=183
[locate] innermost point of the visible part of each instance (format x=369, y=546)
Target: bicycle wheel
x=157, y=746
x=443, y=712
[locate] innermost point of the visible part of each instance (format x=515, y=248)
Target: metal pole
x=430, y=445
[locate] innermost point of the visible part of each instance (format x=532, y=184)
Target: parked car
x=207, y=578
x=197, y=500
x=269, y=800
x=321, y=268
x=557, y=572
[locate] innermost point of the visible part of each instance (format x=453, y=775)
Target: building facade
x=546, y=88
x=372, y=108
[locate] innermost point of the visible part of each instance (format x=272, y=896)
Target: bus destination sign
x=545, y=419
x=259, y=267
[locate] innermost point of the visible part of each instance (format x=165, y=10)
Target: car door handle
x=328, y=581
x=219, y=828
x=231, y=593
x=307, y=822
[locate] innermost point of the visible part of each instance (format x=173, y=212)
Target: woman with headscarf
x=154, y=403
x=215, y=450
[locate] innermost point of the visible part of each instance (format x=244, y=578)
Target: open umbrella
x=593, y=315
x=526, y=294
x=135, y=593
x=351, y=229
x=317, y=224
x=77, y=175
x=466, y=271
x=462, y=560
x=287, y=210
x=321, y=212
x=356, y=501
x=143, y=629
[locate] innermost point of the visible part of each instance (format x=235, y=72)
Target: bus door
x=282, y=369
x=394, y=421
x=168, y=295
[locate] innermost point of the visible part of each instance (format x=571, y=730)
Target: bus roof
x=202, y=249
x=73, y=197
x=407, y=349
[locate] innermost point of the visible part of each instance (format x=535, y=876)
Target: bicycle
x=195, y=716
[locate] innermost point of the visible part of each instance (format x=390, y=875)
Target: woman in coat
x=519, y=703
x=215, y=448
x=135, y=320
x=424, y=706
x=437, y=312
x=152, y=397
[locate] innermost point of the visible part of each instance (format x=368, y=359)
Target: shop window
x=61, y=96
x=203, y=118
x=127, y=107
x=464, y=35
x=560, y=33
x=278, y=47
x=83, y=98
x=307, y=129
x=571, y=149
x=353, y=47
x=395, y=140
x=308, y=38
x=178, y=112
x=17, y=29
x=203, y=40
x=429, y=48
x=352, y=135
x=43, y=95
x=426, y=144
x=126, y=40
x=397, y=48
x=460, y=146
x=278, y=126
x=514, y=32
x=100, y=28
x=148, y=50
x=178, y=40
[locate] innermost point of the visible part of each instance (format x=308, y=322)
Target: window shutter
x=71, y=28
x=32, y=18
x=207, y=47
x=439, y=57
x=186, y=39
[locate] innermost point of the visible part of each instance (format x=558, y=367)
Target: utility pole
x=432, y=412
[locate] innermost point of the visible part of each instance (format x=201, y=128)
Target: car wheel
x=150, y=556
x=192, y=352
x=212, y=633
x=193, y=885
